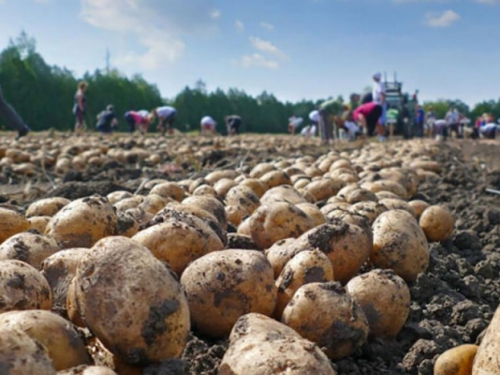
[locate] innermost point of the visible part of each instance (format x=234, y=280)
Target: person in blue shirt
x=419, y=122
x=12, y=118
x=106, y=120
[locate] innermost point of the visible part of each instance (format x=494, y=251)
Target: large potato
x=437, y=223
x=280, y=254
x=21, y=355
x=326, y=315
x=275, y=178
x=46, y=207
x=131, y=302
x=243, y=196
x=282, y=194
x=313, y=212
x=22, y=287
x=210, y=204
x=169, y=190
x=419, y=207
x=59, y=270
x=324, y=188
x=83, y=222
x=400, y=244
x=29, y=248
x=277, y=221
x=487, y=360
x=11, y=223
x=385, y=299
x=178, y=244
x=224, y=285
x=456, y=361
x=347, y=246
x=39, y=223
x=64, y=346
x=259, y=345
x=256, y=185
x=306, y=267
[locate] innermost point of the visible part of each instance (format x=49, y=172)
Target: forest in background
x=44, y=96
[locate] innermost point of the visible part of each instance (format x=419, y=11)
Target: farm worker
x=327, y=111
x=489, y=130
x=294, y=124
x=350, y=126
x=106, y=120
x=309, y=131
x=392, y=119
x=378, y=95
x=166, y=117
x=314, y=117
x=453, y=120
x=138, y=119
x=208, y=125
x=233, y=124
x=12, y=118
x=441, y=128
x=368, y=116
x=419, y=122
x=79, y=106
x=430, y=119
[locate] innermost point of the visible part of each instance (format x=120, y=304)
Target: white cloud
x=156, y=25
x=266, y=46
x=240, y=26
x=444, y=19
x=267, y=26
x=257, y=60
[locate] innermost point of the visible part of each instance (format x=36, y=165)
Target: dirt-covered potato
x=487, y=360
x=256, y=185
x=72, y=306
x=153, y=203
x=259, y=345
x=282, y=194
x=418, y=207
x=261, y=169
x=399, y=244
x=46, y=207
x=119, y=195
x=145, y=316
x=236, y=214
x=222, y=186
x=88, y=370
x=169, y=190
x=347, y=246
x=280, y=220
x=224, y=285
x=313, y=212
x=437, y=223
x=29, y=247
x=127, y=225
x=209, y=204
x=21, y=355
x=83, y=222
x=325, y=314
x=275, y=178
x=387, y=195
x=244, y=197
x=426, y=165
x=386, y=185
x=360, y=195
x=280, y=254
x=306, y=267
x=64, y=346
x=370, y=210
x=456, y=361
x=128, y=203
x=385, y=299
x=39, y=223
x=178, y=244
x=324, y=188
x=59, y=270
x=397, y=204
x=22, y=287
x=11, y=223
x=215, y=176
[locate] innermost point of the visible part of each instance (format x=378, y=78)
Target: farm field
x=212, y=227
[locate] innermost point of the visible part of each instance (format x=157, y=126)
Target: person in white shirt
x=453, y=121
x=378, y=94
x=208, y=125
x=309, y=131
x=166, y=117
x=294, y=124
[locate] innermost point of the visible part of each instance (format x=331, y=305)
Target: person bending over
x=233, y=124
x=12, y=118
x=166, y=117
x=106, y=120
x=137, y=120
x=208, y=125
x=294, y=124
x=367, y=116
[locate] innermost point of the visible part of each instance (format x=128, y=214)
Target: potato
x=59, y=270
x=385, y=299
x=360, y=195
x=83, y=222
x=437, y=223
x=243, y=196
x=46, y=207
x=72, y=305
x=418, y=207
x=128, y=203
x=371, y=210
x=21, y=355
x=306, y=267
x=487, y=361
x=126, y=225
x=256, y=185
x=271, y=223
x=169, y=190
x=145, y=317
x=178, y=244
x=275, y=178
x=244, y=227
x=399, y=244
x=88, y=370
x=22, y=287
x=65, y=348
x=261, y=169
x=119, y=195
x=282, y=194
x=323, y=313
x=456, y=361
x=39, y=223
x=347, y=246
x=205, y=190
x=11, y=223
x=152, y=183
x=259, y=345
x=222, y=186
x=236, y=214
x=209, y=204
x=280, y=254
x=29, y=248
x=224, y=285
x=387, y=194
x=426, y=165
x=313, y=212
x=397, y=204
x=215, y=176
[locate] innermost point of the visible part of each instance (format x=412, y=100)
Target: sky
x=295, y=49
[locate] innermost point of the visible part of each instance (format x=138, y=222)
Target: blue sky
x=293, y=48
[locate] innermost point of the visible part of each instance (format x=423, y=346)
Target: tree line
x=44, y=96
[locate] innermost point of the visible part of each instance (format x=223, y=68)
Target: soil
x=452, y=302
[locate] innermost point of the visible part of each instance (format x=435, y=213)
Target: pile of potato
x=297, y=262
